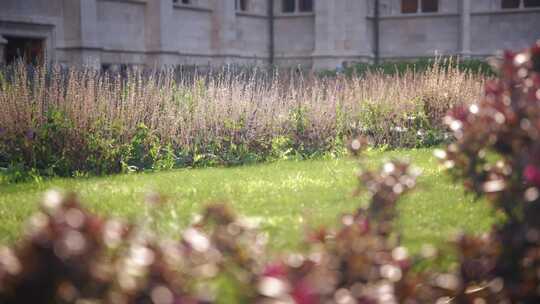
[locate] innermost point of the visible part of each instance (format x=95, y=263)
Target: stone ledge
x=294, y=15
x=37, y=20
x=508, y=11
x=191, y=7
x=161, y=52
x=473, y=13
x=289, y=57
x=416, y=16
x=78, y=48
x=141, y=2
x=345, y=56
x=251, y=15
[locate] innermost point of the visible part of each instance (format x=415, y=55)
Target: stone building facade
x=310, y=33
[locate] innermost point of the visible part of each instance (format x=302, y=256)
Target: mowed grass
x=285, y=196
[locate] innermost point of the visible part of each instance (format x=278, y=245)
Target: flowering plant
x=68, y=255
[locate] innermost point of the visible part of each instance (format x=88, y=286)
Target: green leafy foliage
x=412, y=128
x=475, y=66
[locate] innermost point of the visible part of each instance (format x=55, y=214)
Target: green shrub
x=282, y=148
x=410, y=127
x=475, y=66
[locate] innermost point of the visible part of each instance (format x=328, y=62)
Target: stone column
x=325, y=35
x=159, y=26
x=3, y=43
x=90, y=55
x=223, y=36
x=465, y=28
x=324, y=19
x=341, y=33
x=80, y=32
x=361, y=40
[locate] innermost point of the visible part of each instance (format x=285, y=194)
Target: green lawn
x=286, y=196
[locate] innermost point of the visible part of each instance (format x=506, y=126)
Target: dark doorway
x=29, y=50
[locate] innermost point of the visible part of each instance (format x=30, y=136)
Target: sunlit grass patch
x=286, y=197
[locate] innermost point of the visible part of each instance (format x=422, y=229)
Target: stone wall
x=216, y=32
x=342, y=33
x=418, y=36
x=477, y=28
x=503, y=30
x=294, y=39
x=193, y=42
x=252, y=38
x=121, y=32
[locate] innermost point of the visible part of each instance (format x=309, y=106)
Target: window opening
x=182, y=1
x=306, y=6
x=288, y=6
x=510, y=4
x=532, y=3
x=430, y=6
x=409, y=6
x=241, y=5
x=29, y=50
x=419, y=6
